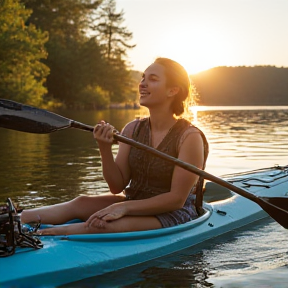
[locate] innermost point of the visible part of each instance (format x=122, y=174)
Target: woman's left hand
x=110, y=213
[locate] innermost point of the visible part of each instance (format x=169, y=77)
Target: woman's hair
x=177, y=76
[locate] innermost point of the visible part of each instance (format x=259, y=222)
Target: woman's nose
x=142, y=84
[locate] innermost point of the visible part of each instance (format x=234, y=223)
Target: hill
x=229, y=86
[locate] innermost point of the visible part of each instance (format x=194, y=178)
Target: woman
x=146, y=192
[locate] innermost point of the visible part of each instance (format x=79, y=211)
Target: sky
x=202, y=34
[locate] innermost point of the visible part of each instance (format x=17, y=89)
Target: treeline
x=228, y=86
x=64, y=52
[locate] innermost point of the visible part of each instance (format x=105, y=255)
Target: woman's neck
x=161, y=122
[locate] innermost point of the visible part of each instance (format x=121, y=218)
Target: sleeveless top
x=151, y=175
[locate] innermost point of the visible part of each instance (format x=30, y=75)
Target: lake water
x=38, y=169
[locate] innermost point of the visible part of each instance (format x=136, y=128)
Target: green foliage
x=71, y=71
x=77, y=52
x=22, y=75
x=113, y=39
x=62, y=19
x=94, y=97
x=70, y=52
x=259, y=85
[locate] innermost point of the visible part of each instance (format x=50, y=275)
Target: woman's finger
x=98, y=128
x=104, y=130
x=94, y=221
x=97, y=223
x=111, y=217
x=90, y=220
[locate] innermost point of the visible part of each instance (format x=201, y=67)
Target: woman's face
x=152, y=87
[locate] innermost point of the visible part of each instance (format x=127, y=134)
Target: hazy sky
x=201, y=34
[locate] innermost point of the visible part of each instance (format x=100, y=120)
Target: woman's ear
x=173, y=91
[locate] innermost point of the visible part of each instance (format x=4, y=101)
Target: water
x=45, y=169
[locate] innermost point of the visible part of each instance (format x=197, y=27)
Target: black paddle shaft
x=25, y=118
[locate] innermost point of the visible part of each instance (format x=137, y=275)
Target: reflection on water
x=44, y=169
x=244, y=139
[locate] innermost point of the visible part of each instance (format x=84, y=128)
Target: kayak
x=66, y=259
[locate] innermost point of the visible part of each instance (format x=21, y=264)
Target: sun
x=202, y=50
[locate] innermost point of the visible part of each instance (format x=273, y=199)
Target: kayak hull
x=65, y=259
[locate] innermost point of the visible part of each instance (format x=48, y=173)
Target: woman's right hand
x=111, y=213
x=103, y=133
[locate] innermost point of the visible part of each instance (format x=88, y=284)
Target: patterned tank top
x=151, y=175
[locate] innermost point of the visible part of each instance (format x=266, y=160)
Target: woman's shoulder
x=191, y=130
x=193, y=133
x=189, y=127
x=130, y=127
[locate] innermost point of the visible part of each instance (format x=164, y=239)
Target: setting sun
x=205, y=34
x=204, y=52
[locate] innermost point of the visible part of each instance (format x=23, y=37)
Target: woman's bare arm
x=115, y=171
x=192, y=152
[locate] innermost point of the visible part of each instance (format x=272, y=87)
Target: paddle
x=26, y=118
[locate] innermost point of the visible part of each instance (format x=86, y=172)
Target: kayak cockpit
x=214, y=192
x=141, y=234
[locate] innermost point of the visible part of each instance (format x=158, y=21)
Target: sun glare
x=203, y=49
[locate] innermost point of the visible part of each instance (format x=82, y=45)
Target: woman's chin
x=142, y=102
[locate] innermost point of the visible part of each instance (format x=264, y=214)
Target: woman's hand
x=110, y=213
x=103, y=132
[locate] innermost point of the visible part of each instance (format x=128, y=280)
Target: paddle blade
x=276, y=207
x=281, y=202
x=29, y=119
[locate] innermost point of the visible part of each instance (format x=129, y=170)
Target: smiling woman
x=146, y=193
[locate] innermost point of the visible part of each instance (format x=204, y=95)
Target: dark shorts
x=183, y=215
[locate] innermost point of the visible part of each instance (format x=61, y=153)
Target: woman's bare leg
x=81, y=207
x=125, y=224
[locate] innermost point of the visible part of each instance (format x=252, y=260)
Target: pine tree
x=114, y=39
x=111, y=34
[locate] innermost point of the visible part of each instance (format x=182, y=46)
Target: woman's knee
x=99, y=201
x=81, y=200
x=25, y=216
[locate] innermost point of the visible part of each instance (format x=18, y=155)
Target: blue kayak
x=65, y=259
